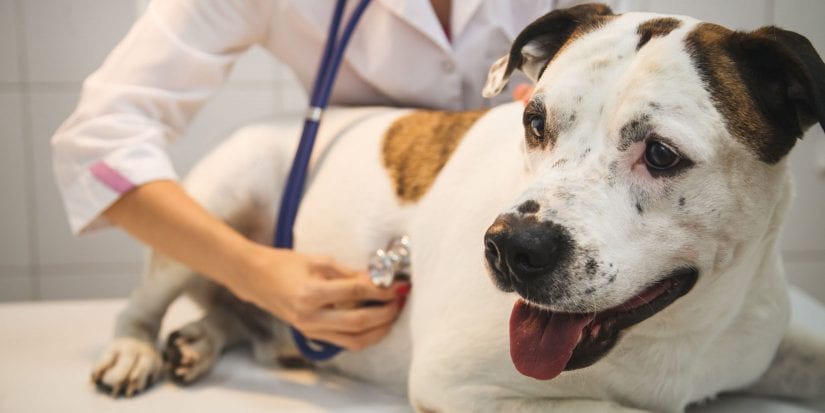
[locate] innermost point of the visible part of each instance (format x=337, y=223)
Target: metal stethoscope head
x=392, y=263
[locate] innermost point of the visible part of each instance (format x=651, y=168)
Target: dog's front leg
x=131, y=361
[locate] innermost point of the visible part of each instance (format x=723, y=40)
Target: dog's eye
x=659, y=156
x=535, y=124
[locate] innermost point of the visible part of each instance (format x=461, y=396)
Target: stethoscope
x=385, y=265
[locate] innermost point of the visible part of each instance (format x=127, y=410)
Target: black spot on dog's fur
x=682, y=201
x=529, y=207
x=639, y=208
x=634, y=131
x=559, y=162
x=591, y=266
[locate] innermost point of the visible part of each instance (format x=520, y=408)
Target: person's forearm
x=163, y=216
x=316, y=295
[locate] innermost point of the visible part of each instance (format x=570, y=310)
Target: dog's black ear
x=785, y=76
x=536, y=45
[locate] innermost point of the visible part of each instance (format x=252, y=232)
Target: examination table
x=47, y=350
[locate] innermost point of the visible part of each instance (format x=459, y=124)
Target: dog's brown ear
x=786, y=78
x=536, y=45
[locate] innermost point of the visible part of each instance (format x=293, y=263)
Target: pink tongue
x=541, y=341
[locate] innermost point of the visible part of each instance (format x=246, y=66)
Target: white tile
x=734, y=14
x=55, y=242
x=14, y=209
x=804, y=228
x=9, y=65
x=85, y=286
x=804, y=17
x=66, y=40
x=635, y=5
x=15, y=289
x=228, y=111
x=809, y=276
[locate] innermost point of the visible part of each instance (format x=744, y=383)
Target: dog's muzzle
x=521, y=250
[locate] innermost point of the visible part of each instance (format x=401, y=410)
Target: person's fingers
x=353, y=342
x=353, y=291
x=355, y=320
x=327, y=268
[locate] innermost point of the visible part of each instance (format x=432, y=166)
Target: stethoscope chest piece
x=392, y=263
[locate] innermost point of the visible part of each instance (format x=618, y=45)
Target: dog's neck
x=743, y=297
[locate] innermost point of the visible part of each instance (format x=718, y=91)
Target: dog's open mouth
x=544, y=343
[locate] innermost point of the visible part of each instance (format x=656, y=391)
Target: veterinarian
x=110, y=156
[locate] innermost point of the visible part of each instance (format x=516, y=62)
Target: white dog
x=635, y=205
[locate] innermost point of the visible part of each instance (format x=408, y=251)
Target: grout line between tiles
x=28, y=149
x=770, y=13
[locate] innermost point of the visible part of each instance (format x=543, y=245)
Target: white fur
x=450, y=346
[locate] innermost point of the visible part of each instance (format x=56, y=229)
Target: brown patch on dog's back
x=659, y=27
x=418, y=145
x=707, y=45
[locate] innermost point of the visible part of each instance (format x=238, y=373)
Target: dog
x=610, y=246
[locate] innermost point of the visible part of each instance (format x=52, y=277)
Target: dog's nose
x=519, y=249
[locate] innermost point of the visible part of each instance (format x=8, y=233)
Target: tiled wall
x=47, y=47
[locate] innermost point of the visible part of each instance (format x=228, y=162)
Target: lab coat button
x=448, y=66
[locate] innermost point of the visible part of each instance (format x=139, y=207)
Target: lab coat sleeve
x=144, y=96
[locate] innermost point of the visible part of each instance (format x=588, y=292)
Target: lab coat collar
x=461, y=13
x=419, y=14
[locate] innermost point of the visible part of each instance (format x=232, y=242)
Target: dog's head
x=656, y=150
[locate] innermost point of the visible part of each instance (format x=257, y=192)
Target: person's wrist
x=245, y=258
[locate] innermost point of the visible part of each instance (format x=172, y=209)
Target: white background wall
x=47, y=47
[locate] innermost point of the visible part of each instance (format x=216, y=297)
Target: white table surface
x=47, y=350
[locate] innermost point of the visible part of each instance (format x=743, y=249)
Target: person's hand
x=320, y=298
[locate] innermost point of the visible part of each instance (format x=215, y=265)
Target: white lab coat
x=180, y=51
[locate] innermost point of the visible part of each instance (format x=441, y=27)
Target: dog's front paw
x=128, y=367
x=189, y=353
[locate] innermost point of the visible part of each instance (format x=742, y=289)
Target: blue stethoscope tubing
x=322, y=88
